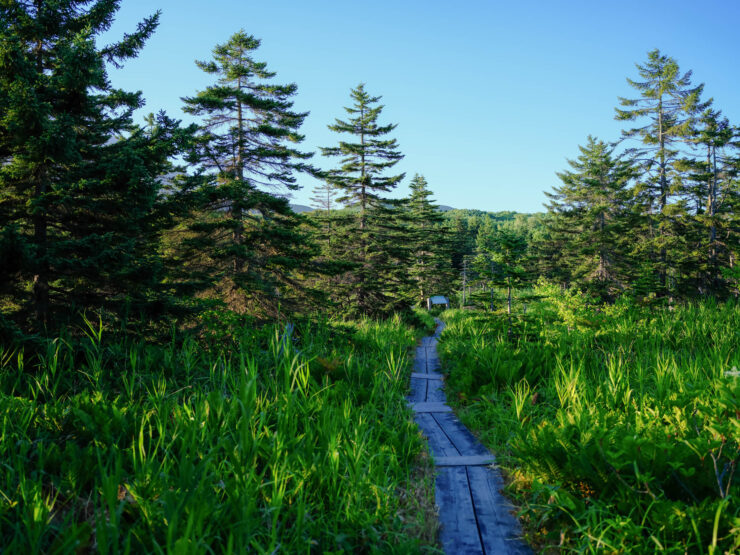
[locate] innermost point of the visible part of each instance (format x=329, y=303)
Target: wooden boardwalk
x=474, y=516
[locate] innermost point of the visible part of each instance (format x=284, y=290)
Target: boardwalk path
x=474, y=516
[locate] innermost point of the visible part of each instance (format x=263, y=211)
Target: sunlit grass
x=618, y=429
x=274, y=442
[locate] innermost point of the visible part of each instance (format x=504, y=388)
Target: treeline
x=149, y=225
x=656, y=213
x=652, y=215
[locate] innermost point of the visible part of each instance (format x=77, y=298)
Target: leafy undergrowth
x=296, y=441
x=618, y=427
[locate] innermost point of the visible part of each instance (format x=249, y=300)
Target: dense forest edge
x=189, y=364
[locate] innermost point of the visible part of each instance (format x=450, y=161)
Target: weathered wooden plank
x=463, y=460
x=435, y=393
x=498, y=527
x=439, y=444
x=459, y=529
x=474, y=516
x=440, y=327
x=420, y=360
x=429, y=376
x=432, y=360
x=465, y=441
x=429, y=407
x=418, y=393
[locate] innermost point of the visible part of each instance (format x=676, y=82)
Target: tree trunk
x=711, y=210
x=663, y=182
x=40, y=223
x=40, y=236
x=236, y=212
x=363, y=192
x=508, y=304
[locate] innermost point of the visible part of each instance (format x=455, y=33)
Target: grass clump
x=618, y=426
x=278, y=440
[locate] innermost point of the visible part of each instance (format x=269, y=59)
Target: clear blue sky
x=490, y=97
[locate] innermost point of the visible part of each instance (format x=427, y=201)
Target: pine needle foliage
x=80, y=205
x=360, y=174
x=254, y=242
x=370, y=238
x=430, y=242
x=667, y=107
x=592, y=217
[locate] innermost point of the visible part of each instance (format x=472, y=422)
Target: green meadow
x=617, y=426
x=269, y=441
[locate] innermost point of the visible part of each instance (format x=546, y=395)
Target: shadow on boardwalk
x=474, y=516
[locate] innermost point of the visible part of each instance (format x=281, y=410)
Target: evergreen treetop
x=254, y=242
x=591, y=216
x=249, y=126
x=363, y=163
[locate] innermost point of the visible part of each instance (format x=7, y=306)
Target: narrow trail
x=474, y=516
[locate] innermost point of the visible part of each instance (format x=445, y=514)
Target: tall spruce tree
x=729, y=238
x=667, y=108
x=430, y=243
x=324, y=201
x=361, y=177
x=591, y=217
x=79, y=182
x=710, y=190
x=363, y=163
x=246, y=144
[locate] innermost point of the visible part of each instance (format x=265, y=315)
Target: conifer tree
x=711, y=191
x=591, y=218
x=500, y=257
x=79, y=183
x=387, y=281
x=361, y=177
x=324, y=201
x=363, y=163
x=430, y=243
x=667, y=107
x=246, y=145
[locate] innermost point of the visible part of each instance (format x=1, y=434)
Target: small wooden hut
x=438, y=300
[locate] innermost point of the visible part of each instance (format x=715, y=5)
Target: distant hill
x=301, y=208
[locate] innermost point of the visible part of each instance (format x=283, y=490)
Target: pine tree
x=590, y=217
x=361, y=179
x=79, y=182
x=500, y=257
x=668, y=105
x=324, y=201
x=430, y=243
x=363, y=163
x=387, y=282
x=710, y=177
x=254, y=241
x=729, y=237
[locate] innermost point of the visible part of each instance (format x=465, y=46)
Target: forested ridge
x=167, y=319
x=156, y=220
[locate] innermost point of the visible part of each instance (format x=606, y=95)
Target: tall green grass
x=275, y=442
x=618, y=426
